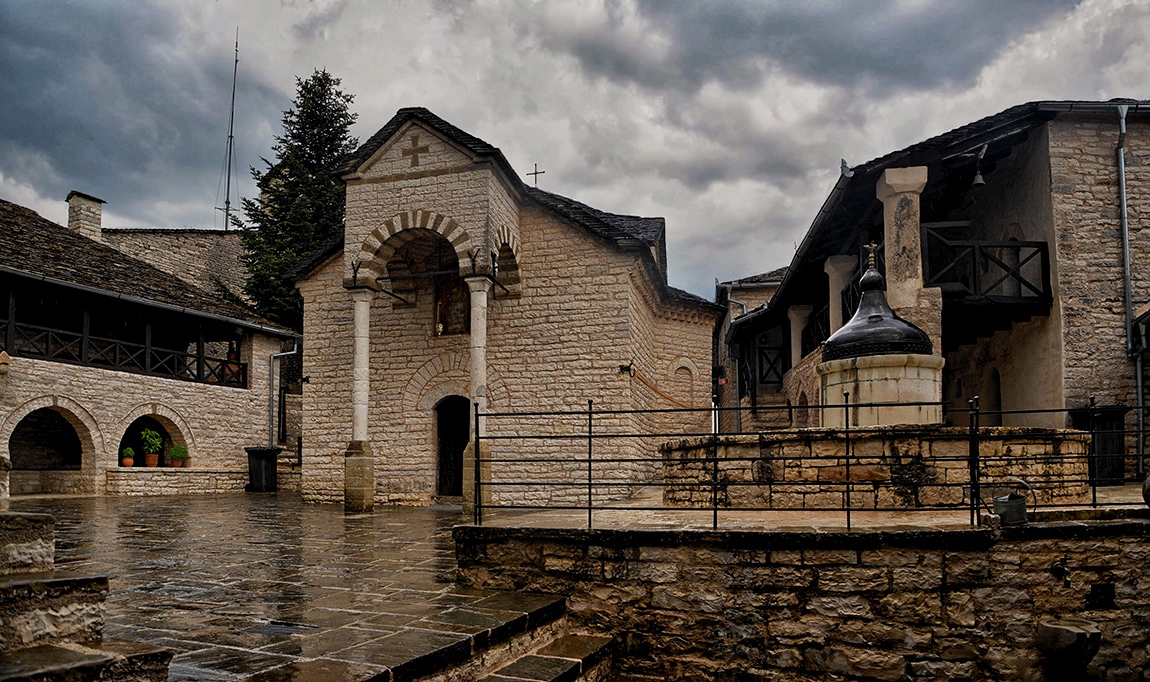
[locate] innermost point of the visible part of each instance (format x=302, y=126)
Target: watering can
x=1011, y=508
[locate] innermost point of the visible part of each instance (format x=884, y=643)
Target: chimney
x=84, y=214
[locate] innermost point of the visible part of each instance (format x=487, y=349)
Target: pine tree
x=301, y=202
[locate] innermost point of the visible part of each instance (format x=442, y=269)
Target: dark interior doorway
x=452, y=422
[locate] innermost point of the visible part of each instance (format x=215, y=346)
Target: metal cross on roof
x=871, y=249
x=536, y=173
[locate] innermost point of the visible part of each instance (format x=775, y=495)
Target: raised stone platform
x=890, y=467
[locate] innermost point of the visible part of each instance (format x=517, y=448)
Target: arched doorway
x=452, y=425
x=132, y=439
x=45, y=440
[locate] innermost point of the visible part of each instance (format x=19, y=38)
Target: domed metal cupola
x=875, y=329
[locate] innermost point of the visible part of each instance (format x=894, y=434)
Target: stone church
x=456, y=284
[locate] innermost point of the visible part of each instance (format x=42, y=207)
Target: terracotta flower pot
x=152, y=460
x=127, y=461
x=177, y=463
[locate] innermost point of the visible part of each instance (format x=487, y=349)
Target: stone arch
x=802, y=412
x=682, y=373
x=379, y=246
x=172, y=421
x=446, y=375
x=507, y=271
x=91, y=438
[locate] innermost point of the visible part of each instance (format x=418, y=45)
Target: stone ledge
x=957, y=540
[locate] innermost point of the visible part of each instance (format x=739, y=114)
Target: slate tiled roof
x=36, y=247
x=610, y=225
x=772, y=276
x=460, y=137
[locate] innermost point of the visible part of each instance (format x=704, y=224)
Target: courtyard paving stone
x=265, y=587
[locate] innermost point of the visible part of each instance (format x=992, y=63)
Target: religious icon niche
x=452, y=305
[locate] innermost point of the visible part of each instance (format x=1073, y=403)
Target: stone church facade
x=456, y=284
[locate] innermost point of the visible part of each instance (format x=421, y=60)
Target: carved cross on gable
x=415, y=150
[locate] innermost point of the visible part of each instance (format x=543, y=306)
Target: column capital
x=361, y=293
x=840, y=265
x=478, y=283
x=798, y=314
x=896, y=181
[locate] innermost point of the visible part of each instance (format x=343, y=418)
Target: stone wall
x=1088, y=244
x=895, y=606
x=890, y=468
x=802, y=386
x=214, y=422
x=193, y=255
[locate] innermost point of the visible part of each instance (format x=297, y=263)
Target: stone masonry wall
x=1088, y=244
x=190, y=254
x=891, y=467
x=899, y=606
x=214, y=422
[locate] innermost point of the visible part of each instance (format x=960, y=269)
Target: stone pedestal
x=902, y=378
x=358, y=477
x=469, y=477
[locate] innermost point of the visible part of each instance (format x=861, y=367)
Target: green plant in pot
x=178, y=456
x=152, y=443
x=127, y=457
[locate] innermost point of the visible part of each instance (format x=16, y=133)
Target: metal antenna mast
x=231, y=138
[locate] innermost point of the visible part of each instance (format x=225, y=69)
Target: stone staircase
x=51, y=621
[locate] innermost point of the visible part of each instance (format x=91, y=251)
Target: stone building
x=456, y=284
x=99, y=345
x=1015, y=241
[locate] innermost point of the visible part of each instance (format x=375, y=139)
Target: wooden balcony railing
x=58, y=345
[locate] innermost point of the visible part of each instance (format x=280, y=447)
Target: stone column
x=899, y=190
x=359, y=465
x=838, y=269
x=798, y=315
x=480, y=287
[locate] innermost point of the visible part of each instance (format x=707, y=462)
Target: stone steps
x=462, y=644
x=51, y=621
x=108, y=660
x=570, y=658
x=42, y=608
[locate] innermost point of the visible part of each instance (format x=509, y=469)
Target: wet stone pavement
x=237, y=585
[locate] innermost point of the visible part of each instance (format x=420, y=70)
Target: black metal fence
x=592, y=461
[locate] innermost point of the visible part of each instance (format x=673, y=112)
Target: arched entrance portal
x=45, y=441
x=452, y=422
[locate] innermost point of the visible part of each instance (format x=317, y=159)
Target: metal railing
x=588, y=461
x=58, y=345
x=993, y=270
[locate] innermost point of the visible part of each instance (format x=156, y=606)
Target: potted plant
x=127, y=457
x=153, y=443
x=178, y=455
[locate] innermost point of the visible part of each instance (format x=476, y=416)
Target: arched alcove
x=44, y=440
x=169, y=434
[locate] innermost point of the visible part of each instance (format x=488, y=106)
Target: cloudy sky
x=728, y=118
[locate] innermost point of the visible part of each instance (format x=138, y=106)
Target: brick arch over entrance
x=91, y=438
x=172, y=421
x=379, y=246
x=446, y=375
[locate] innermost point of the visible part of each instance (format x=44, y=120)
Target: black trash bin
x=262, y=469
x=1107, y=427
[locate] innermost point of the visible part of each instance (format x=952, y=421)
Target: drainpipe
x=272, y=389
x=1131, y=350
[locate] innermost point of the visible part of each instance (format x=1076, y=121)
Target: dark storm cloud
x=886, y=46
x=108, y=98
